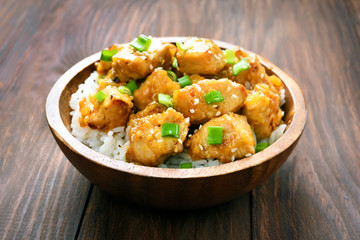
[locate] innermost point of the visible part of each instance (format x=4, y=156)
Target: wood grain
x=315, y=195
x=108, y=217
x=41, y=194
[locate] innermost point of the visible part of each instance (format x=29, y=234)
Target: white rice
x=115, y=143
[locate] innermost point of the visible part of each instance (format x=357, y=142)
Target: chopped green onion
x=215, y=135
x=106, y=55
x=213, y=97
x=175, y=63
x=183, y=47
x=240, y=66
x=172, y=75
x=184, y=81
x=100, y=96
x=125, y=90
x=261, y=146
x=165, y=100
x=142, y=43
x=186, y=165
x=132, y=86
x=170, y=130
x=230, y=56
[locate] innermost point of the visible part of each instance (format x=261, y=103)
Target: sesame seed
x=262, y=75
x=228, y=89
x=233, y=158
x=201, y=147
x=180, y=141
x=218, y=113
x=215, y=106
x=196, y=101
x=248, y=155
x=151, y=67
x=192, y=110
x=200, y=126
x=187, y=120
x=233, y=150
x=234, y=96
x=151, y=131
x=228, y=117
x=189, y=135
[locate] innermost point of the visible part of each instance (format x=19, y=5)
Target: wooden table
x=314, y=195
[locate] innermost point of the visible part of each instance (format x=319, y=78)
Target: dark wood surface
x=314, y=195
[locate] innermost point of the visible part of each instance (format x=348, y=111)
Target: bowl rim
x=292, y=133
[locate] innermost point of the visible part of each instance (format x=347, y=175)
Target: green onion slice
x=106, y=55
x=261, y=146
x=240, y=66
x=183, y=47
x=125, y=90
x=142, y=43
x=172, y=75
x=175, y=63
x=213, y=97
x=215, y=135
x=186, y=165
x=170, y=130
x=230, y=56
x=165, y=100
x=132, y=86
x=184, y=81
x=100, y=96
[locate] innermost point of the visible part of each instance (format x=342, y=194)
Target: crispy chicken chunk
x=190, y=100
x=113, y=112
x=249, y=78
x=151, y=108
x=147, y=146
x=204, y=57
x=262, y=109
x=238, y=139
x=157, y=82
x=103, y=67
x=132, y=64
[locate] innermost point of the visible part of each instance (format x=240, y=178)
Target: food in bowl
x=184, y=105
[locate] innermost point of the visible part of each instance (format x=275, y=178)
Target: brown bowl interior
x=172, y=188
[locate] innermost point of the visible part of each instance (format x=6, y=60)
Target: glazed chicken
x=190, y=101
x=237, y=141
x=249, y=78
x=202, y=57
x=199, y=85
x=262, y=109
x=147, y=146
x=129, y=63
x=112, y=112
x=157, y=82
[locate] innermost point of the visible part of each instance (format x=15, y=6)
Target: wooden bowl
x=172, y=188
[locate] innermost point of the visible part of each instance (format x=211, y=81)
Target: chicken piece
x=150, y=109
x=103, y=67
x=113, y=112
x=196, y=78
x=109, y=79
x=249, y=78
x=190, y=100
x=262, y=110
x=132, y=64
x=147, y=146
x=238, y=139
x=157, y=82
x=204, y=57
